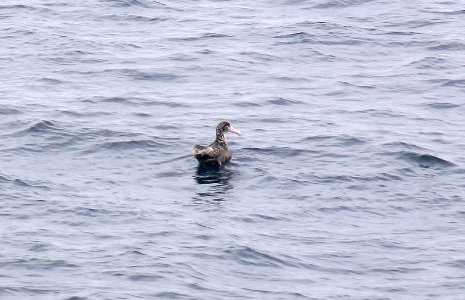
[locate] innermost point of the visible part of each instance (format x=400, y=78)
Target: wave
x=5, y=110
x=430, y=63
x=171, y=295
x=425, y=160
x=399, y=33
x=450, y=13
x=281, y=152
x=454, y=82
x=39, y=264
x=357, y=178
x=204, y=36
x=415, y=154
x=299, y=35
x=283, y=102
x=341, y=140
x=445, y=82
x=412, y=24
x=133, y=101
x=267, y=294
x=150, y=76
x=52, y=81
x=246, y=104
x=129, y=3
x=250, y=256
x=129, y=17
x=23, y=183
x=448, y=46
x=305, y=38
x=279, y=101
x=133, y=144
x=145, y=277
x=443, y=105
x=19, y=7
x=41, y=127
x=403, y=145
x=340, y=3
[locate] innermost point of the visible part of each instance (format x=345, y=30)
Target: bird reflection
x=207, y=174
x=214, y=178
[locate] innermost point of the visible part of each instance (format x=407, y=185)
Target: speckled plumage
x=218, y=151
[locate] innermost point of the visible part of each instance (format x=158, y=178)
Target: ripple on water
x=442, y=105
x=130, y=3
x=42, y=127
x=314, y=201
x=149, y=75
x=418, y=155
x=280, y=151
x=147, y=145
x=429, y=63
x=7, y=110
x=145, y=277
x=250, y=256
x=340, y=3
x=451, y=82
x=40, y=264
x=133, y=17
x=425, y=160
x=334, y=140
x=134, y=101
x=448, y=46
x=205, y=36
x=282, y=102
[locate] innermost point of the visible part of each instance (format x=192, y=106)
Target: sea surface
x=348, y=181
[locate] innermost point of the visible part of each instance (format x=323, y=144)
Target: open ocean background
x=347, y=183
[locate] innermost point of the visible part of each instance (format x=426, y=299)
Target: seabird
x=218, y=151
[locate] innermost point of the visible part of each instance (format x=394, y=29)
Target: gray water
x=347, y=183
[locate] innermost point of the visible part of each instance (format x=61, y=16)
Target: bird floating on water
x=218, y=151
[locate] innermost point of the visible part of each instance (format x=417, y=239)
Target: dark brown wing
x=206, y=154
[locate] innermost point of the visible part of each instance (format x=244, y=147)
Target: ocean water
x=347, y=183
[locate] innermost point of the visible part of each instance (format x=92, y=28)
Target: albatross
x=218, y=151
